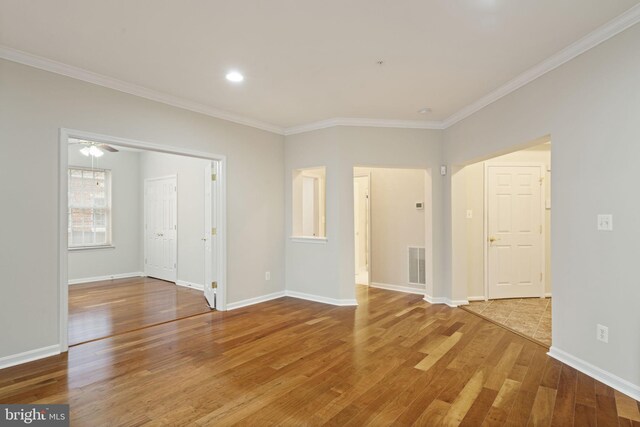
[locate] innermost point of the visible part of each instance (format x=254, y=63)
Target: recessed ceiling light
x=234, y=76
x=424, y=110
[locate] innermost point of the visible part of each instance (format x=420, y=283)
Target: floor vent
x=416, y=266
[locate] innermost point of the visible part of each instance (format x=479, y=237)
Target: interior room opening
x=504, y=224
x=392, y=228
x=143, y=245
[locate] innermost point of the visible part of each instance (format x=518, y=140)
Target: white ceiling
x=306, y=61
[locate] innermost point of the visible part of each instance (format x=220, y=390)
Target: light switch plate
x=469, y=214
x=605, y=222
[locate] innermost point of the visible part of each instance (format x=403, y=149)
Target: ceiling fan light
x=85, y=151
x=95, y=151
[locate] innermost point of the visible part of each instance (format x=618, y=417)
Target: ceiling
x=307, y=61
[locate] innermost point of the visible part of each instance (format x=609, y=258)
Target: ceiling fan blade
x=108, y=148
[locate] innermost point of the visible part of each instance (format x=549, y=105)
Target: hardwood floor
x=102, y=309
x=393, y=360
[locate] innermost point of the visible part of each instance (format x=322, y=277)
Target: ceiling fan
x=93, y=149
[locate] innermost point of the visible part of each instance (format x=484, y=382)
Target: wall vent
x=416, y=266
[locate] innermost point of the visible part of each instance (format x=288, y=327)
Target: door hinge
x=214, y=285
x=214, y=177
x=214, y=231
x=540, y=228
x=541, y=277
x=145, y=260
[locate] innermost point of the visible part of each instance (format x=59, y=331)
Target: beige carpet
x=529, y=316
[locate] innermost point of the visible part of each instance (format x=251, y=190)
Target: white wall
x=475, y=239
x=396, y=224
x=190, y=176
x=590, y=107
x=124, y=257
x=34, y=105
x=327, y=270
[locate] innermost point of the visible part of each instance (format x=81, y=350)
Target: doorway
x=362, y=220
x=514, y=224
x=392, y=229
x=502, y=217
x=106, y=294
x=161, y=228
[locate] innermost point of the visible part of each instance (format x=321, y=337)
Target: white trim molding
x=363, y=122
x=477, y=298
x=107, y=277
x=192, y=285
x=292, y=294
x=29, y=356
x=130, y=88
x=309, y=239
x=398, y=288
x=591, y=40
x=447, y=301
x=324, y=300
x=622, y=385
x=255, y=300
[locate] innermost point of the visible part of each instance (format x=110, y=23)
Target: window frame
x=108, y=210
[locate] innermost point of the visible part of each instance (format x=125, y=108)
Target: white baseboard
x=293, y=294
x=547, y=294
x=190, y=285
x=447, y=301
x=256, y=300
x=613, y=381
x=29, y=356
x=318, y=298
x=398, y=288
x=110, y=277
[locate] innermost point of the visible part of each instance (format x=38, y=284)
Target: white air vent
x=416, y=266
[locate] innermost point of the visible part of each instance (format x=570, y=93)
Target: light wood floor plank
x=393, y=360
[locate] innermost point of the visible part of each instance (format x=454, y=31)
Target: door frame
x=144, y=213
x=63, y=164
x=487, y=165
x=368, y=176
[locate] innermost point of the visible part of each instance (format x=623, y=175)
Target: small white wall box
x=443, y=170
x=419, y=205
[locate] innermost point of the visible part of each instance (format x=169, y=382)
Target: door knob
x=493, y=239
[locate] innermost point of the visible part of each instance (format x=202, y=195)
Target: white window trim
x=109, y=209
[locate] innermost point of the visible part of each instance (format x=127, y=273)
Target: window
x=89, y=223
x=309, y=202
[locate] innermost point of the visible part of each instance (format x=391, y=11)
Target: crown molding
x=379, y=123
x=591, y=40
x=132, y=89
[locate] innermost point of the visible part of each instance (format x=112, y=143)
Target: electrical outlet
x=469, y=214
x=602, y=333
x=267, y=275
x=605, y=222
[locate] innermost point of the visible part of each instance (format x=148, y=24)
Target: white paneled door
x=514, y=231
x=161, y=227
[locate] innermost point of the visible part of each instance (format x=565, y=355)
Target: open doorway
x=507, y=237
x=392, y=224
x=362, y=221
x=142, y=236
